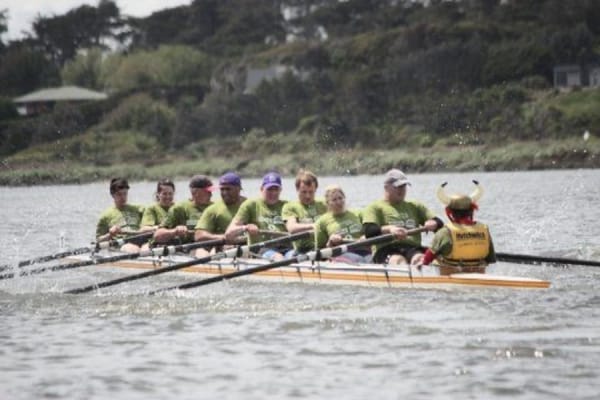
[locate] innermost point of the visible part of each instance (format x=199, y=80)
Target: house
x=245, y=79
x=569, y=76
x=45, y=99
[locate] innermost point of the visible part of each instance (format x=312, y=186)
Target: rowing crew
x=462, y=244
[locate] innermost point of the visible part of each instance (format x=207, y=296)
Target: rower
x=338, y=225
x=300, y=215
x=261, y=218
x=180, y=222
x=463, y=244
x=155, y=214
x=121, y=218
x=215, y=219
x=394, y=214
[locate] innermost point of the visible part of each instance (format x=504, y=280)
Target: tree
x=84, y=70
x=61, y=37
x=3, y=27
x=22, y=69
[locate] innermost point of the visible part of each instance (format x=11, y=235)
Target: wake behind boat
x=332, y=273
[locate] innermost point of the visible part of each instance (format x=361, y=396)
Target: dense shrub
x=166, y=66
x=142, y=114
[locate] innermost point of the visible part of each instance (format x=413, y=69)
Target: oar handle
x=121, y=241
x=272, y=233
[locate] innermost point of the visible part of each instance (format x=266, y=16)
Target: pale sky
x=21, y=13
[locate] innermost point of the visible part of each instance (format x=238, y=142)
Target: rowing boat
x=329, y=272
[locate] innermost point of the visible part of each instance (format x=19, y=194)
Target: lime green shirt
x=266, y=217
x=304, y=214
x=154, y=215
x=128, y=218
x=347, y=225
x=408, y=214
x=184, y=213
x=217, y=217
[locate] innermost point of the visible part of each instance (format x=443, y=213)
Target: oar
x=272, y=233
x=233, y=252
x=157, y=251
x=81, y=250
x=529, y=259
x=312, y=255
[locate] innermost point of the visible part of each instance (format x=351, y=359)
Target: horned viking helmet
x=459, y=201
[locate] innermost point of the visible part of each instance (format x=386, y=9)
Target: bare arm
x=163, y=235
x=203, y=235
x=293, y=226
x=237, y=227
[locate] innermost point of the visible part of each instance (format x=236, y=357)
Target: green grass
x=46, y=164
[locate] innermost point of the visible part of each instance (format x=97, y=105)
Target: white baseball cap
x=396, y=178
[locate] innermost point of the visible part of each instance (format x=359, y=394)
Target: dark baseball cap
x=202, y=182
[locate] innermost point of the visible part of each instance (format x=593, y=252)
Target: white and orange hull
x=326, y=272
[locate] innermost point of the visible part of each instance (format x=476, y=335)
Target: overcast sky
x=21, y=13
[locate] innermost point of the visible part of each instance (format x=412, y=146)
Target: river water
x=248, y=340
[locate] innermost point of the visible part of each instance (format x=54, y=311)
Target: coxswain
x=463, y=244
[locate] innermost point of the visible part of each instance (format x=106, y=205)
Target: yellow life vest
x=470, y=244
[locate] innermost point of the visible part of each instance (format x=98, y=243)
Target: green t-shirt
x=266, y=217
x=128, y=218
x=216, y=218
x=304, y=214
x=184, y=213
x=346, y=224
x=408, y=214
x=154, y=215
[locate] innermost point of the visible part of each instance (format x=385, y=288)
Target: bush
x=84, y=70
x=143, y=114
x=167, y=66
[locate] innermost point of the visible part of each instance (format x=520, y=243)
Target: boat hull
x=337, y=273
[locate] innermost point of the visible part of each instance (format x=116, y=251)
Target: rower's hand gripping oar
x=529, y=259
x=325, y=253
x=82, y=250
x=157, y=251
x=233, y=252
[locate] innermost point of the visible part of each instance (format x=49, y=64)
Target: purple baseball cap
x=272, y=179
x=230, y=178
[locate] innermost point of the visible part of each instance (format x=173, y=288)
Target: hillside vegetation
x=455, y=85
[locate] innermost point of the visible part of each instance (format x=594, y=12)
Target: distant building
x=569, y=76
x=45, y=99
x=245, y=79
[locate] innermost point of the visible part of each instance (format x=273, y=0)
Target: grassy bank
x=253, y=159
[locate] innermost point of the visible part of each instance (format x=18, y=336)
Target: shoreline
x=515, y=156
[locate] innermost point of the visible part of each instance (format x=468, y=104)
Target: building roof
x=64, y=93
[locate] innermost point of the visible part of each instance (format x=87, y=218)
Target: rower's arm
x=235, y=229
x=293, y=226
x=163, y=235
x=372, y=230
x=202, y=235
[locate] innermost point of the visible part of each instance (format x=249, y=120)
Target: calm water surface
x=243, y=340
